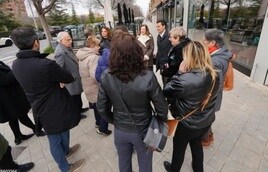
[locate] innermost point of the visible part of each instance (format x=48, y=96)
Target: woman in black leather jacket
x=178, y=39
x=128, y=80
x=189, y=88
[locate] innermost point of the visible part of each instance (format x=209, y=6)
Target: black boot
x=167, y=166
x=22, y=137
x=40, y=133
x=26, y=167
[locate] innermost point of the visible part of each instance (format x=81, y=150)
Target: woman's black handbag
x=156, y=136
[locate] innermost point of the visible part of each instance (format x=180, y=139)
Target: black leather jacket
x=175, y=58
x=189, y=90
x=137, y=95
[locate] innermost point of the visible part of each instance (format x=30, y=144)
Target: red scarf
x=212, y=49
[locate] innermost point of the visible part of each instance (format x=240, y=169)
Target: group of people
x=117, y=77
x=193, y=75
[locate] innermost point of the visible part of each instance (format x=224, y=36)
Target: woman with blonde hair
x=88, y=59
x=146, y=42
x=189, y=89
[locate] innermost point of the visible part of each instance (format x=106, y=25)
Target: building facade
x=244, y=23
x=15, y=8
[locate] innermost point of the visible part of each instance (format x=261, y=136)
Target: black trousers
x=25, y=120
x=182, y=137
x=77, y=102
x=7, y=163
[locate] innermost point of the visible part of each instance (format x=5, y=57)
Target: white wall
x=260, y=65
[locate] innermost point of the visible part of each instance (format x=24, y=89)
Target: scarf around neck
x=212, y=49
x=143, y=39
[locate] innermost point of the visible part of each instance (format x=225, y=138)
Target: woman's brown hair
x=126, y=58
x=109, y=33
x=92, y=41
x=146, y=28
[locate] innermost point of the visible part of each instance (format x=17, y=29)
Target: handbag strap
x=202, y=105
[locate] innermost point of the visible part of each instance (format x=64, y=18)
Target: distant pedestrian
x=220, y=56
x=14, y=106
x=163, y=47
x=65, y=57
x=43, y=81
x=147, y=44
x=6, y=161
x=128, y=80
x=190, y=87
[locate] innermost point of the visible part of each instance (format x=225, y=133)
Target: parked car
x=70, y=27
x=54, y=30
x=6, y=41
x=73, y=30
x=41, y=35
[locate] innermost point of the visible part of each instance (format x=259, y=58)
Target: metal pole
x=30, y=5
x=265, y=77
x=175, y=12
x=185, y=15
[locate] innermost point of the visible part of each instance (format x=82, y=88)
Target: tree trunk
x=211, y=14
x=227, y=11
x=45, y=27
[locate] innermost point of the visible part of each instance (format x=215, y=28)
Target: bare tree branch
x=49, y=6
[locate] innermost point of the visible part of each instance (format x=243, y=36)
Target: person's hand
x=182, y=67
x=61, y=85
x=145, y=58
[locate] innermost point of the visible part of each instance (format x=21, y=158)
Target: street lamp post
x=32, y=13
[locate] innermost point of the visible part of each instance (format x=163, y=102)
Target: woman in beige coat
x=88, y=59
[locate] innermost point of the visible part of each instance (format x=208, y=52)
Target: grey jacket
x=67, y=59
x=137, y=95
x=220, y=60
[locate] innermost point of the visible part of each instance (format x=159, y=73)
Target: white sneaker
x=73, y=150
x=76, y=166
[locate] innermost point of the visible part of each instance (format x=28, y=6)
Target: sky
x=144, y=4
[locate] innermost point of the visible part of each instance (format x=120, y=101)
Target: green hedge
x=5, y=34
x=49, y=49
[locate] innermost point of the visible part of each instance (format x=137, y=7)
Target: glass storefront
x=241, y=21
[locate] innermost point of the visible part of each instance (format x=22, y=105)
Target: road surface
x=8, y=54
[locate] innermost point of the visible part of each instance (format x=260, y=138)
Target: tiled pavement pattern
x=240, y=134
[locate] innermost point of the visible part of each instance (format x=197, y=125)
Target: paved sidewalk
x=240, y=131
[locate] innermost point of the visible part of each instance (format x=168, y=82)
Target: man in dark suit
x=163, y=47
x=65, y=57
